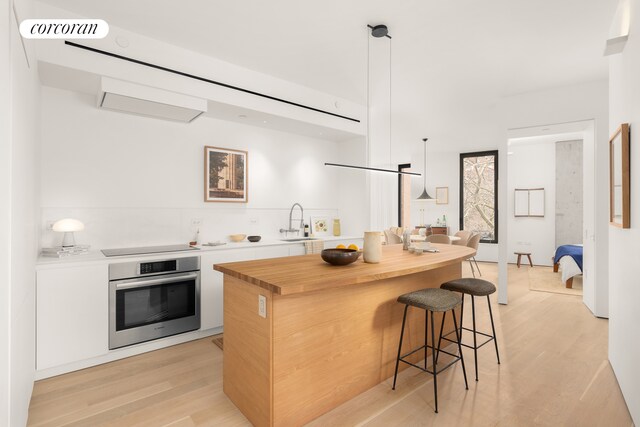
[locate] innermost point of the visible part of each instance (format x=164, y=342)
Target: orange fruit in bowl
x=341, y=246
x=353, y=246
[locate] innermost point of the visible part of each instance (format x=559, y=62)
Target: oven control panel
x=158, y=266
x=154, y=267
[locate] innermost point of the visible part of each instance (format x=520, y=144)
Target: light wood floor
x=554, y=372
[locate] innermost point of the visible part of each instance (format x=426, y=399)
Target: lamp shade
x=426, y=196
x=68, y=224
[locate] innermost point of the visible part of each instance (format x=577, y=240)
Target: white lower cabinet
x=297, y=250
x=211, y=281
x=72, y=315
x=272, y=252
x=211, y=286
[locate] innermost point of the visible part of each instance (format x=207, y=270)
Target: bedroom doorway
x=551, y=205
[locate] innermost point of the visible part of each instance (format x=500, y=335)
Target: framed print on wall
x=225, y=175
x=442, y=195
x=319, y=225
x=619, y=178
x=529, y=202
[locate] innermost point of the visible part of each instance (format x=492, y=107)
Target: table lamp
x=68, y=226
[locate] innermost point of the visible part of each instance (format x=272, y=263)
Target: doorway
x=565, y=176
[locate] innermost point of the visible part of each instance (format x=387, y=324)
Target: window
x=479, y=194
x=404, y=196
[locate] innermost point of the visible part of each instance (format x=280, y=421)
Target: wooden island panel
x=317, y=349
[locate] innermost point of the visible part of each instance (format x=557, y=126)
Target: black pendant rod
x=372, y=169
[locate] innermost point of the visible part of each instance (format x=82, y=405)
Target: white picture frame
x=442, y=195
x=320, y=226
x=529, y=202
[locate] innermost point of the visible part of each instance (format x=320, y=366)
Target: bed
x=568, y=259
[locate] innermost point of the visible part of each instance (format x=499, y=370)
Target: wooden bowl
x=254, y=239
x=237, y=237
x=340, y=256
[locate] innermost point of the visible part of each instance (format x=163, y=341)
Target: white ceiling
x=449, y=57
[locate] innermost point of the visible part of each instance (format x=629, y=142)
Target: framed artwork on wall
x=528, y=202
x=319, y=225
x=225, y=175
x=442, y=195
x=619, y=178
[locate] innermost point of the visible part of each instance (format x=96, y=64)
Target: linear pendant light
x=377, y=32
x=425, y=196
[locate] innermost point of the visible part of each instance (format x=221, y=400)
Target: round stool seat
x=471, y=286
x=432, y=299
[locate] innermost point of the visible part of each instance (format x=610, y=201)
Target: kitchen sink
x=299, y=239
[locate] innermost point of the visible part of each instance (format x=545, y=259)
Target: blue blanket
x=573, y=251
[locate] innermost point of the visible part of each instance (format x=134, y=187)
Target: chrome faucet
x=291, y=229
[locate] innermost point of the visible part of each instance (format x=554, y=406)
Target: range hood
x=132, y=98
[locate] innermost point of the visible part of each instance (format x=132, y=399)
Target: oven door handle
x=151, y=282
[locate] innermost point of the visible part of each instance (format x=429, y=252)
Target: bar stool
x=431, y=300
x=475, y=288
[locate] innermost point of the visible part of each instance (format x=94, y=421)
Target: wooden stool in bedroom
x=520, y=254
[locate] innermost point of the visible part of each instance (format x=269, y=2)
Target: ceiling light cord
x=378, y=31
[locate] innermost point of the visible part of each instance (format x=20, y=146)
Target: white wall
x=532, y=165
x=5, y=210
x=139, y=181
x=353, y=184
x=624, y=319
x=19, y=210
x=442, y=171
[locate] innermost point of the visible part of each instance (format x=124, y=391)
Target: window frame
x=401, y=168
x=463, y=156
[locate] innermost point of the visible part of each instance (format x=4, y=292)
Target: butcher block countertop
x=308, y=273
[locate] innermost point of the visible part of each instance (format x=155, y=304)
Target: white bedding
x=568, y=268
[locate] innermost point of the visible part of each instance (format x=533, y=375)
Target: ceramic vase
x=336, y=227
x=372, y=250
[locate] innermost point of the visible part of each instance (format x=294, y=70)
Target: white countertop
x=97, y=257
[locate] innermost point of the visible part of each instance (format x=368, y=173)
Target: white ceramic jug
x=372, y=251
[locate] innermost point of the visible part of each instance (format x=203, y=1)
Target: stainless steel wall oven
x=153, y=299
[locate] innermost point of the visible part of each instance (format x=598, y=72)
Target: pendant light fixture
x=376, y=31
x=425, y=196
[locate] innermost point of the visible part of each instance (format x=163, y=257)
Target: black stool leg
x=399, y=347
x=426, y=343
x=433, y=367
x=475, y=343
x=444, y=315
x=461, y=313
x=458, y=338
x=493, y=328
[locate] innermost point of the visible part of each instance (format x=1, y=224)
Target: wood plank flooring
x=554, y=372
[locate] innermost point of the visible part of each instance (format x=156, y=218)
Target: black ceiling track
x=204, y=79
